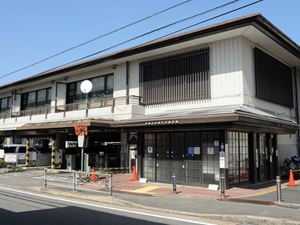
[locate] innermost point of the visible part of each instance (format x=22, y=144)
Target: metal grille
x=184, y=76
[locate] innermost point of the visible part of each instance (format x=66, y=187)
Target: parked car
x=20, y=149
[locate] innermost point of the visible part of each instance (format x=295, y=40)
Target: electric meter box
x=71, y=162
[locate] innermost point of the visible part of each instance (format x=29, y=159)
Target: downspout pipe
x=127, y=78
x=297, y=108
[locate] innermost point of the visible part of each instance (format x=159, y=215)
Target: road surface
x=19, y=207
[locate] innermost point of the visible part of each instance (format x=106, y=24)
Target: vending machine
x=71, y=162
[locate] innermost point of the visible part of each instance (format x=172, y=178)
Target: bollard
x=45, y=178
x=278, y=187
x=110, y=185
x=74, y=181
x=174, y=184
x=222, y=186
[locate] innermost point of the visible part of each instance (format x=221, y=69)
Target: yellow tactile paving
x=263, y=193
x=35, y=175
x=146, y=190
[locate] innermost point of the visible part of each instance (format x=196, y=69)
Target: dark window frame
x=72, y=98
x=24, y=98
x=8, y=106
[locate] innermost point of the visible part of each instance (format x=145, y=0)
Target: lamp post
x=86, y=87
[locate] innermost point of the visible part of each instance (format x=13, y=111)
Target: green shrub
x=13, y=168
x=1, y=162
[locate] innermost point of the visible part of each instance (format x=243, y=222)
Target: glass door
x=263, y=169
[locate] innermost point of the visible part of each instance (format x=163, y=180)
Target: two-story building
x=217, y=100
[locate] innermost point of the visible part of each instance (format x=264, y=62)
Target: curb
x=118, y=202
x=244, y=219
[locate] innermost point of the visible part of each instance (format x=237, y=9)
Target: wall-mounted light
x=52, y=81
x=114, y=67
x=65, y=78
x=21, y=89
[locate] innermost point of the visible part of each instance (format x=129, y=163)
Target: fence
x=109, y=102
x=75, y=180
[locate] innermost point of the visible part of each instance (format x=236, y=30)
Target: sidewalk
x=265, y=191
x=193, y=201
x=122, y=183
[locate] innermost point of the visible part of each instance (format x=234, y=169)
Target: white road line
x=111, y=208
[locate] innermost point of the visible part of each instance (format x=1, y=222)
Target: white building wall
x=120, y=80
x=16, y=105
x=225, y=72
x=287, y=146
x=249, y=83
x=134, y=78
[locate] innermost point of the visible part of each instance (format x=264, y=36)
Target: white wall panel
x=286, y=151
x=134, y=78
x=101, y=113
x=16, y=106
x=120, y=80
x=287, y=139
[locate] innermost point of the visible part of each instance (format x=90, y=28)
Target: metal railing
x=93, y=104
x=78, y=180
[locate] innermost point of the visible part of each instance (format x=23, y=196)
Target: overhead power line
x=147, y=33
x=163, y=27
x=204, y=21
x=101, y=36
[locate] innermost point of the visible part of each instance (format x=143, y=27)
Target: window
x=36, y=99
x=102, y=89
x=5, y=104
x=178, y=77
x=273, y=79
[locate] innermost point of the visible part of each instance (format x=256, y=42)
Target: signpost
x=81, y=131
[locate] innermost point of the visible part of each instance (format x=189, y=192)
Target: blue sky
x=33, y=30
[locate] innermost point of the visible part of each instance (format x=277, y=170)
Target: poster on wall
x=197, y=150
x=150, y=149
x=210, y=150
x=226, y=156
x=190, y=150
x=216, y=143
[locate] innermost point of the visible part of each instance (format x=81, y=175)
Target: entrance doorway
x=192, y=156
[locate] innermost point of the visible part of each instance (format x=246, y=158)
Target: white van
x=20, y=149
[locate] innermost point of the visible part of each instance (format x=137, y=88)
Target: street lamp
x=86, y=86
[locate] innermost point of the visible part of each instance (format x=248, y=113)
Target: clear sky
x=33, y=30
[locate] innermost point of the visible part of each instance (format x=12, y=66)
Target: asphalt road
x=18, y=207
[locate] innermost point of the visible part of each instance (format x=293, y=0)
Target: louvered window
x=273, y=79
x=178, y=77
